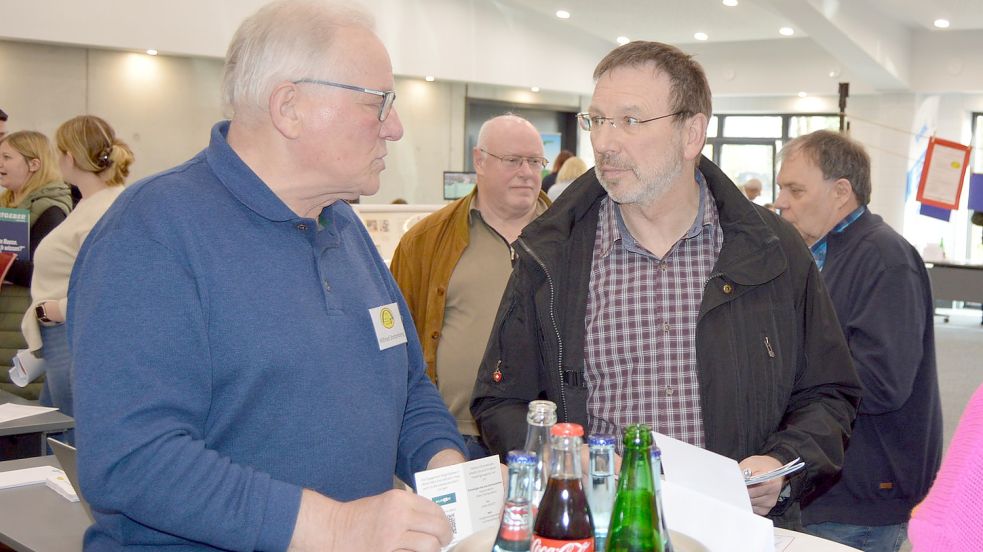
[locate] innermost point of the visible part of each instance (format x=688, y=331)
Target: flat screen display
x=458, y=184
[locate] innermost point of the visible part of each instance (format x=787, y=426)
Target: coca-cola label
x=543, y=544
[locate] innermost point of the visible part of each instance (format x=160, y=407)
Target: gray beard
x=651, y=188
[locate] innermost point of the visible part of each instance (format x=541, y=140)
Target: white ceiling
x=676, y=21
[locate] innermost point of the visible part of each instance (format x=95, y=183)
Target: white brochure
x=471, y=494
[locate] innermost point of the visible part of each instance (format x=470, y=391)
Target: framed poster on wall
x=942, y=176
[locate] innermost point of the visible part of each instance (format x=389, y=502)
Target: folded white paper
x=26, y=368
x=471, y=494
x=11, y=411
x=59, y=483
x=27, y=476
x=715, y=524
x=703, y=471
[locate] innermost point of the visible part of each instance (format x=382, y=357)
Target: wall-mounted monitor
x=458, y=184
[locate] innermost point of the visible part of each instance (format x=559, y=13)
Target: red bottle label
x=543, y=544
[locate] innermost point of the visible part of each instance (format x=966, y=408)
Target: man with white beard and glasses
x=654, y=292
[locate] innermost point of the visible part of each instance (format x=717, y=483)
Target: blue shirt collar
x=820, y=248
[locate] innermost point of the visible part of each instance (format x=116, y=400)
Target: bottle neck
x=601, y=461
x=636, y=469
x=566, y=458
x=522, y=479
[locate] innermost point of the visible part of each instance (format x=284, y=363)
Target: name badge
x=388, y=326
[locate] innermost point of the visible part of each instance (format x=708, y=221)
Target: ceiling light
x=802, y=94
x=623, y=40
x=941, y=23
x=430, y=78
x=730, y=3
x=535, y=89
x=151, y=52
x=700, y=36
x=786, y=31
x=563, y=14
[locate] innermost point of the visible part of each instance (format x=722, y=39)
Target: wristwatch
x=42, y=314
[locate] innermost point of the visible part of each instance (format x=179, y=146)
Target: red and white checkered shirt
x=640, y=346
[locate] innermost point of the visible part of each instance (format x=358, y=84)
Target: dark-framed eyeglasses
x=514, y=162
x=590, y=122
x=388, y=96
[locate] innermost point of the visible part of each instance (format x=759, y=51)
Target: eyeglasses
x=388, y=97
x=514, y=162
x=590, y=122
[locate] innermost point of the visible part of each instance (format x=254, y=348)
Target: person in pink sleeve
x=950, y=519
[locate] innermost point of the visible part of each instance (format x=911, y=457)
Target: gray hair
x=837, y=156
x=285, y=40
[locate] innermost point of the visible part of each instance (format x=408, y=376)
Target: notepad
x=11, y=411
x=27, y=476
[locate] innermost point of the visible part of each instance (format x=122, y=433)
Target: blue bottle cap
x=521, y=457
x=601, y=440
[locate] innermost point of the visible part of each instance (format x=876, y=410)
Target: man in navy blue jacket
x=883, y=299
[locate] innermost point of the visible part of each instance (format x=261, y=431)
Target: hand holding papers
x=790, y=468
x=26, y=368
x=471, y=494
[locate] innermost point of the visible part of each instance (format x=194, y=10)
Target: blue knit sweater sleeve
x=142, y=386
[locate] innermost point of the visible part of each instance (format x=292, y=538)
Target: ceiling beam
x=860, y=37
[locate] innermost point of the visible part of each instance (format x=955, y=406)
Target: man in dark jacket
x=883, y=299
x=655, y=292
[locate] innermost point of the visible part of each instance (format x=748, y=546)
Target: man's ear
x=284, y=110
x=478, y=159
x=843, y=191
x=695, y=135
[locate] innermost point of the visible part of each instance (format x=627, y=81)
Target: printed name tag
x=388, y=326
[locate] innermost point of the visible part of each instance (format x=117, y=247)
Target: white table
x=785, y=541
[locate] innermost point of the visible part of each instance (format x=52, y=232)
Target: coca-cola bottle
x=515, y=531
x=539, y=419
x=564, y=522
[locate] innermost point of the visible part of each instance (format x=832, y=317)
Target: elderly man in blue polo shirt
x=247, y=373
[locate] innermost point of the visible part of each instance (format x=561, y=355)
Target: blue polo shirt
x=225, y=357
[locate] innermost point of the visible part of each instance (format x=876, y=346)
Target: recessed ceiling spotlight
x=730, y=3
x=941, y=23
x=786, y=31
x=535, y=89
x=802, y=94
x=151, y=52
x=701, y=36
x=623, y=40
x=563, y=14
x=430, y=78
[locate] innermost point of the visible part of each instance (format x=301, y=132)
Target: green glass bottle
x=635, y=519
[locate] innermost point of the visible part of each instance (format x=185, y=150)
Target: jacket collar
x=751, y=254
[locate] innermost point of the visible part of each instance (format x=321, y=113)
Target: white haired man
x=274, y=382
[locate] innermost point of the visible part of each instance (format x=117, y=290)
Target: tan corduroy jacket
x=423, y=263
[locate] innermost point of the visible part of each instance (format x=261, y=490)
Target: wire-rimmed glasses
x=388, y=96
x=514, y=162
x=590, y=122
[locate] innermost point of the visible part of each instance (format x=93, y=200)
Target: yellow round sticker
x=387, y=319
x=956, y=164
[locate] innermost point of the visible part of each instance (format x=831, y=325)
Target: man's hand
x=764, y=496
x=394, y=520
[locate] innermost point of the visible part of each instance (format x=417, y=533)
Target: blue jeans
x=877, y=538
x=57, y=390
x=474, y=448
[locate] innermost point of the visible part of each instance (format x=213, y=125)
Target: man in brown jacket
x=453, y=266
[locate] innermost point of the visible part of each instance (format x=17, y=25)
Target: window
x=746, y=146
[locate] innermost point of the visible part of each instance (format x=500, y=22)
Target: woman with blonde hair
x=571, y=170
x=29, y=173
x=94, y=160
